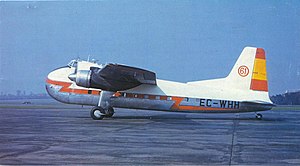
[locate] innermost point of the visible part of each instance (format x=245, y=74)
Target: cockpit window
x=73, y=63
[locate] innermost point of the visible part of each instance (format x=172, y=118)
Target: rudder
x=259, y=81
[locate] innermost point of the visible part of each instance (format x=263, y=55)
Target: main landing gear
x=98, y=113
x=258, y=116
x=103, y=109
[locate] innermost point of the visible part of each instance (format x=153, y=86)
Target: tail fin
x=249, y=72
x=248, y=76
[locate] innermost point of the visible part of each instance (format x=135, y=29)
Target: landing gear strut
x=103, y=109
x=258, y=116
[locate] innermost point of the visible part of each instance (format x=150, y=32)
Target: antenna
x=88, y=58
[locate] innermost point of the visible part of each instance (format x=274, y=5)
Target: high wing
x=113, y=77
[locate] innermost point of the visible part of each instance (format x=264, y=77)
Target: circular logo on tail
x=243, y=71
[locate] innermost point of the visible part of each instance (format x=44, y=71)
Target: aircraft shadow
x=176, y=117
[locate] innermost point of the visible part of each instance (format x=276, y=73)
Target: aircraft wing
x=116, y=77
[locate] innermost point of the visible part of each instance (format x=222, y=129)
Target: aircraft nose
x=48, y=85
x=51, y=82
x=56, y=82
x=53, y=88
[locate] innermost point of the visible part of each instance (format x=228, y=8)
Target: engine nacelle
x=82, y=78
x=113, y=77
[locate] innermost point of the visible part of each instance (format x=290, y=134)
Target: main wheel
x=259, y=116
x=110, y=112
x=97, y=113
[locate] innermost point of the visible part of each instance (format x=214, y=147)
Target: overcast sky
x=179, y=40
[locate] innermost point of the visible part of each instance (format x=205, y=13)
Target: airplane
x=108, y=86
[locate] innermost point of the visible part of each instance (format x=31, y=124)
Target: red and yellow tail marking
x=259, y=81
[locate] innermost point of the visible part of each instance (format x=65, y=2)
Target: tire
x=110, y=112
x=97, y=113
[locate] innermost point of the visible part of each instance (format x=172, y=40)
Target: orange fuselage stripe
x=199, y=108
x=65, y=88
x=177, y=106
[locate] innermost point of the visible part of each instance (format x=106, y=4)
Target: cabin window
x=130, y=95
x=163, y=97
x=124, y=94
x=157, y=97
x=89, y=91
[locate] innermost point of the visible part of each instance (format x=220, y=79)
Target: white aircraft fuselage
x=245, y=89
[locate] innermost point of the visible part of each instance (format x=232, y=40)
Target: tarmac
x=40, y=132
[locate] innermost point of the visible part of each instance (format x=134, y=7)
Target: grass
x=287, y=107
